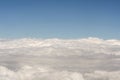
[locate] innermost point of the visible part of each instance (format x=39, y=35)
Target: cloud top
x=61, y=47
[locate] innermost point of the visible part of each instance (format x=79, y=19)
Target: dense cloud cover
x=60, y=59
x=60, y=47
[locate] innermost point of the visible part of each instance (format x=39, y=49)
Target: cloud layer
x=60, y=47
x=60, y=59
x=40, y=73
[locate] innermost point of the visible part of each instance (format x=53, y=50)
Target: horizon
x=58, y=38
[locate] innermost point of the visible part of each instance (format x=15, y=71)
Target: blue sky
x=60, y=19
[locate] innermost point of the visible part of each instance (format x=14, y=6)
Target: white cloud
x=37, y=73
x=41, y=73
x=60, y=46
x=60, y=59
x=103, y=75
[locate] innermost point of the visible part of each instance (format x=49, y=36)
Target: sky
x=60, y=19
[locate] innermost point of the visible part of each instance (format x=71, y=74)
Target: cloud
x=103, y=75
x=60, y=46
x=41, y=73
x=37, y=73
x=60, y=59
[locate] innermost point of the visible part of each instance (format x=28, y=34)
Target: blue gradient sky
x=60, y=18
